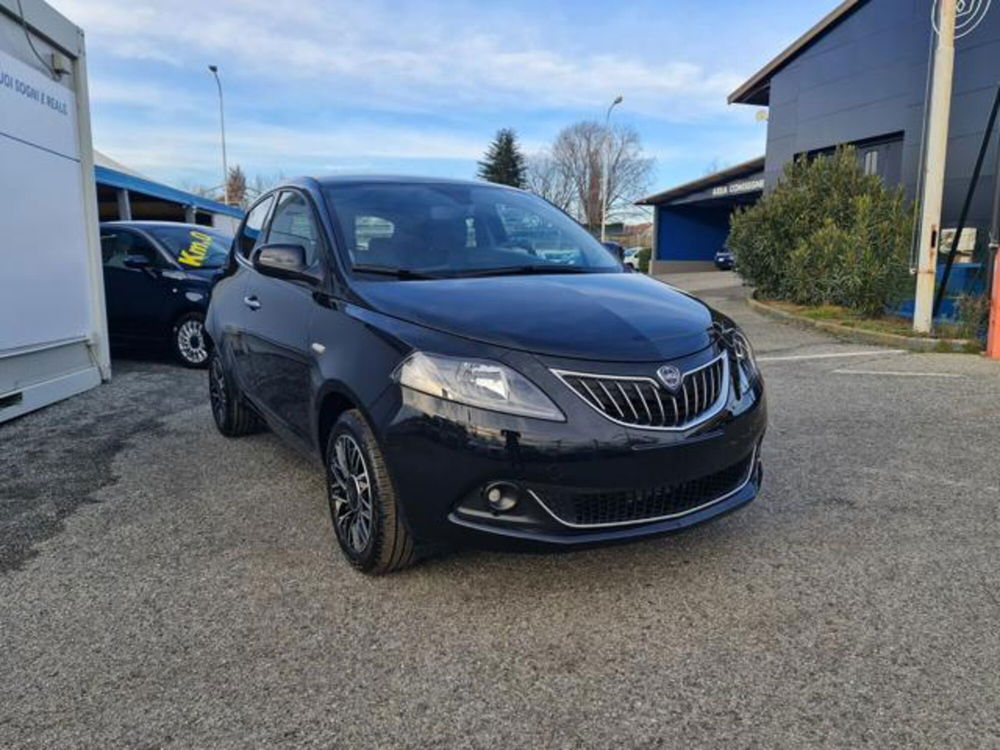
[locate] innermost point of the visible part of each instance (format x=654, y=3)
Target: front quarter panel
x=356, y=351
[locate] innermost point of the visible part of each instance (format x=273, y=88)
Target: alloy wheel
x=217, y=392
x=351, y=493
x=191, y=341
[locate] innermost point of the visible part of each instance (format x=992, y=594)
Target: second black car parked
x=470, y=365
x=158, y=278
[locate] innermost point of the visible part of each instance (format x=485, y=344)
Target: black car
x=724, y=260
x=461, y=387
x=616, y=248
x=158, y=277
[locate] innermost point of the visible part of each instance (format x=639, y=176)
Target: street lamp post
x=607, y=167
x=222, y=127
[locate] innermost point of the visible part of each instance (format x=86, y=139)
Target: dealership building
x=859, y=76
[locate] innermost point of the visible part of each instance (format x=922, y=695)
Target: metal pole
x=937, y=151
x=993, y=331
x=124, y=205
x=963, y=217
x=222, y=127
x=607, y=167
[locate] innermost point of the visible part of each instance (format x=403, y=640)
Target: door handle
x=252, y=302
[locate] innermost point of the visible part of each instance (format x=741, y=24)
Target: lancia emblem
x=671, y=377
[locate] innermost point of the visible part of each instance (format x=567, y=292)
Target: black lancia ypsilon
x=472, y=366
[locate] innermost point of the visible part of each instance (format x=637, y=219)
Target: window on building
x=871, y=162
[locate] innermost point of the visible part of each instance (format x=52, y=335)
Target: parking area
x=162, y=586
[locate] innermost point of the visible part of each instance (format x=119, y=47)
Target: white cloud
x=394, y=56
x=359, y=85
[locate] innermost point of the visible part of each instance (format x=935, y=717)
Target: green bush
x=644, y=255
x=973, y=315
x=827, y=235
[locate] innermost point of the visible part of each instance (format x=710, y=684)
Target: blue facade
x=690, y=233
x=692, y=221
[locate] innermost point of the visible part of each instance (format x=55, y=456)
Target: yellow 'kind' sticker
x=195, y=253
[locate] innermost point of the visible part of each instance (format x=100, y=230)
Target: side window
x=113, y=249
x=293, y=224
x=117, y=245
x=250, y=231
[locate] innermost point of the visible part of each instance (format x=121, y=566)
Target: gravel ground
x=165, y=587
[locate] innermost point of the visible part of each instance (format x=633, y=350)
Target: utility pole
x=607, y=166
x=993, y=330
x=936, y=151
x=222, y=125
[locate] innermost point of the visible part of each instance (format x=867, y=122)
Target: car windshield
x=193, y=248
x=420, y=230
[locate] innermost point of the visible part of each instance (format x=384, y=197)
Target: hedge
x=828, y=234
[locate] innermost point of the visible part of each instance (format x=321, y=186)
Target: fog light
x=502, y=497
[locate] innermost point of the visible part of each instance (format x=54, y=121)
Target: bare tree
x=236, y=187
x=242, y=192
x=581, y=151
x=546, y=178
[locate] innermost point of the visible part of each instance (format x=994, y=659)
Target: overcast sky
x=420, y=86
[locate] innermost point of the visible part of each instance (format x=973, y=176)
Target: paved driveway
x=164, y=587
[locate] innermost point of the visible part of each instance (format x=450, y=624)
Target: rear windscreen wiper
x=399, y=273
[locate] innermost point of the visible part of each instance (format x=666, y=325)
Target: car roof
x=397, y=178
x=319, y=181
x=154, y=224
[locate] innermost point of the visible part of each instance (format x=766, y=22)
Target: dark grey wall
x=868, y=77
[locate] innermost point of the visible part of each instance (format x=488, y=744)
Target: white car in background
x=631, y=258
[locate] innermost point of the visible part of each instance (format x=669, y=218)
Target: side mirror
x=284, y=262
x=137, y=262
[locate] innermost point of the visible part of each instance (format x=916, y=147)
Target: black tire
x=229, y=410
x=388, y=545
x=188, y=341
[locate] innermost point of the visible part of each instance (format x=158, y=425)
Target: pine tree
x=504, y=163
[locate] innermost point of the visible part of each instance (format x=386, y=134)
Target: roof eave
x=747, y=167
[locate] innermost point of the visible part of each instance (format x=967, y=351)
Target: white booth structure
x=53, y=334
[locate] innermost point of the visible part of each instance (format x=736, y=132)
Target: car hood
x=610, y=317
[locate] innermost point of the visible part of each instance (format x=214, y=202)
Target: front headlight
x=744, y=353
x=480, y=383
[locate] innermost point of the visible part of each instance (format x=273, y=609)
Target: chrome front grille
x=645, y=402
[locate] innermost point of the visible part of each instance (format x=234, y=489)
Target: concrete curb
x=860, y=336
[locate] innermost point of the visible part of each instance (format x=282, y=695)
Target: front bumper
x=441, y=455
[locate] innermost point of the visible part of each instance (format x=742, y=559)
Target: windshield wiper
x=525, y=270
x=399, y=273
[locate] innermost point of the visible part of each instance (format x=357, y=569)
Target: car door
x=135, y=297
x=231, y=304
x=278, y=334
